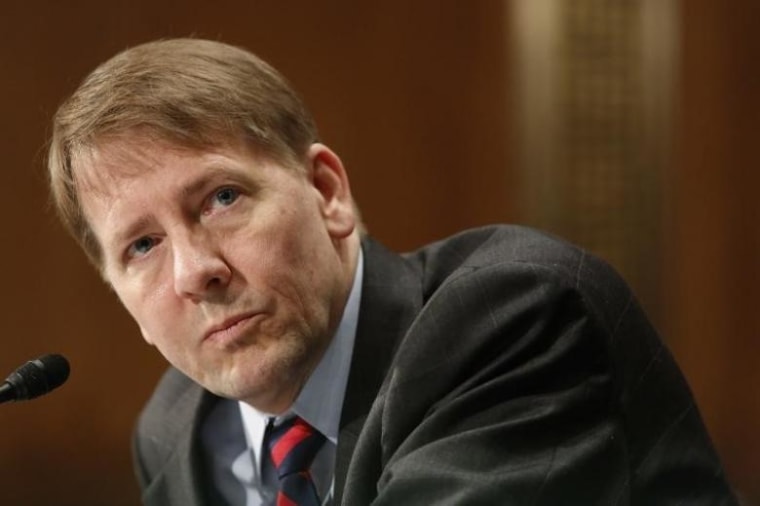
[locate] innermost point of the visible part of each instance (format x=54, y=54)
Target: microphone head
x=38, y=377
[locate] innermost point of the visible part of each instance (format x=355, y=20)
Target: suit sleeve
x=507, y=391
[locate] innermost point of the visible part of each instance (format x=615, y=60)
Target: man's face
x=234, y=267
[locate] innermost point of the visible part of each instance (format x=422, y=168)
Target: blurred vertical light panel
x=592, y=111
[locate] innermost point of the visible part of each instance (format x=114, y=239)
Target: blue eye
x=141, y=246
x=226, y=196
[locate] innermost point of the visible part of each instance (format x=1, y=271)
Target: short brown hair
x=190, y=92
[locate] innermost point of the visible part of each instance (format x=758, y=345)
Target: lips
x=230, y=328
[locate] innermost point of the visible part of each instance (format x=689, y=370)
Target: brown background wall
x=413, y=96
x=713, y=263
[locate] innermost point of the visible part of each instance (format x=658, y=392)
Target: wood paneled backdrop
x=414, y=96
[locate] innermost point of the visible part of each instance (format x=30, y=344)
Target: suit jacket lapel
x=391, y=298
x=182, y=479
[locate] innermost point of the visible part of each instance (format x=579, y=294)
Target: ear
x=329, y=179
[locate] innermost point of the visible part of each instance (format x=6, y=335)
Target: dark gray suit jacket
x=499, y=366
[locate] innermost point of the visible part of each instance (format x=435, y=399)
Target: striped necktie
x=292, y=447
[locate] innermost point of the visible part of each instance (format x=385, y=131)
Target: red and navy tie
x=292, y=447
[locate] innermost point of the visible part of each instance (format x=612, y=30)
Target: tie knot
x=293, y=445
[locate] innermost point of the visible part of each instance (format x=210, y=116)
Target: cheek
x=148, y=308
x=283, y=247
x=292, y=263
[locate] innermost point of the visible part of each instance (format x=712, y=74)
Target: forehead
x=107, y=163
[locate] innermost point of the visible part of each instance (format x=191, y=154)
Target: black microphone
x=35, y=378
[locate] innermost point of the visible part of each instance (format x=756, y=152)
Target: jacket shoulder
x=509, y=247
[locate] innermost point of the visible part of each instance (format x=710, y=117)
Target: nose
x=200, y=270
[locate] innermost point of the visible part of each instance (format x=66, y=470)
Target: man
x=499, y=366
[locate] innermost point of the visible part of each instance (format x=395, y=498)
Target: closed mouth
x=229, y=324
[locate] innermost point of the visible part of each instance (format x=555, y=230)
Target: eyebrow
x=131, y=230
x=196, y=186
